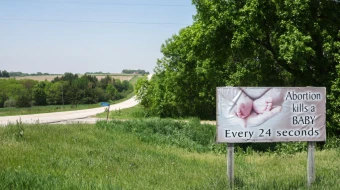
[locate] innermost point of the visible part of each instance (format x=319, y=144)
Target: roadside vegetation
x=146, y=154
x=44, y=109
x=136, y=112
x=69, y=89
x=234, y=43
x=247, y=43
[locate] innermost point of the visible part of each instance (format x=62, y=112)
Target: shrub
x=10, y=103
x=23, y=101
x=194, y=136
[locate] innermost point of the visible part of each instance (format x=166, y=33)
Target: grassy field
x=122, y=77
x=44, y=109
x=115, y=156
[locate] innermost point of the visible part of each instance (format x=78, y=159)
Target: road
x=82, y=116
x=67, y=116
x=79, y=116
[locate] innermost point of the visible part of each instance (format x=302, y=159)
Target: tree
x=23, y=99
x=54, y=93
x=106, y=81
x=118, y=85
x=3, y=98
x=139, y=71
x=5, y=74
x=247, y=43
x=39, y=93
x=111, y=91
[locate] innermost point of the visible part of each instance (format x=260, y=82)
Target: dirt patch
x=208, y=122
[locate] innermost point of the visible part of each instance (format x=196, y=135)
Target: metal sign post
x=108, y=111
x=310, y=163
x=230, y=163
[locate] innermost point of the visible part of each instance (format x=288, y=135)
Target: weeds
x=20, y=134
x=144, y=154
x=194, y=136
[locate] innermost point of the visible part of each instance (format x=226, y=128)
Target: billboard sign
x=261, y=114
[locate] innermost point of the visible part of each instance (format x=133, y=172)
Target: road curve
x=56, y=117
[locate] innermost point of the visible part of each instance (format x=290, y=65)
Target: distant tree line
x=97, y=73
x=21, y=74
x=141, y=72
x=67, y=89
x=4, y=74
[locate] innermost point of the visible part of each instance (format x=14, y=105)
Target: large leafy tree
x=247, y=43
x=39, y=93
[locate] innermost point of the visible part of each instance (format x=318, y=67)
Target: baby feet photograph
x=252, y=108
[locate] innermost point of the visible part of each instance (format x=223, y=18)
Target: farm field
x=107, y=156
x=121, y=77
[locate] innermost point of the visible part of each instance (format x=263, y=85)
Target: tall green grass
x=145, y=154
x=87, y=157
x=135, y=112
x=44, y=109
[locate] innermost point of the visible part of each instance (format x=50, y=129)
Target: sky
x=78, y=36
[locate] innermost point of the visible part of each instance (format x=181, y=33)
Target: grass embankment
x=44, y=109
x=135, y=112
x=144, y=154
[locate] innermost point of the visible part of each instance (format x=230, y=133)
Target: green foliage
x=247, y=43
x=139, y=71
x=190, y=135
x=3, y=98
x=9, y=103
x=4, y=74
x=39, y=94
x=111, y=91
x=21, y=74
x=11, y=110
x=54, y=93
x=16, y=93
x=67, y=89
x=194, y=136
x=91, y=157
x=333, y=103
x=96, y=73
x=141, y=90
x=135, y=112
x=23, y=99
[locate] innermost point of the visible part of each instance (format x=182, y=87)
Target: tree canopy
x=139, y=71
x=67, y=89
x=4, y=74
x=247, y=43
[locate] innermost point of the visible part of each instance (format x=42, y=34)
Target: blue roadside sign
x=104, y=103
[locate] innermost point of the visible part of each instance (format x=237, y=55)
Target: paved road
x=82, y=116
x=70, y=116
